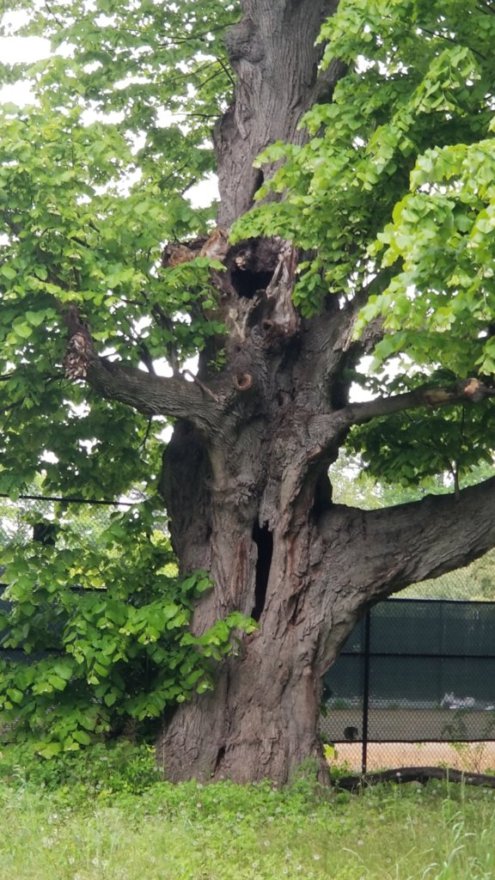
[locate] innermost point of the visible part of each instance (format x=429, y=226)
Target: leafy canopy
x=94, y=177
x=97, y=630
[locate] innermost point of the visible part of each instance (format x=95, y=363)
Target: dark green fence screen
x=415, y=671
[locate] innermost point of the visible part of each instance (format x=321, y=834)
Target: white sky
x=14, y=49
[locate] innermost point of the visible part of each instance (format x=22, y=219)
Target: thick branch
x=145, y=391
x=371, y=554
x=401, y=545
x=471, y=389
x=151, y=394
x=329, y=429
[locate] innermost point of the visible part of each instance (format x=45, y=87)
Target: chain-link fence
x=44, y=519
x=415, y=684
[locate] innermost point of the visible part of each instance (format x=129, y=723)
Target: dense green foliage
x=393, y=193
x=104, y=638
x=93, y=179
x=102, y=770
x=107, y=814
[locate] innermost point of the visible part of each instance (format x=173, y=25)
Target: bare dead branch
x=468, y=390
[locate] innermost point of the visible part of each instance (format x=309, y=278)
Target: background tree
x=372, y=234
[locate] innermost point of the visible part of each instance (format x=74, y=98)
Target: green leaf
x=8, y=272
x=80, y=736
x=49, y=749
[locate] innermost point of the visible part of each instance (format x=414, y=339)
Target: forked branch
x=151, y=394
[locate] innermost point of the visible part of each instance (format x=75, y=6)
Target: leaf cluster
x=95, y=174
x=98, y=635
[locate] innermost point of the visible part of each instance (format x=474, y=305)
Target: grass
x=111, y=827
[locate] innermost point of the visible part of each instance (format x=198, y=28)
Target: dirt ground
x=472, y=757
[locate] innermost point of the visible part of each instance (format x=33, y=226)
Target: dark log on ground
x=414, y=774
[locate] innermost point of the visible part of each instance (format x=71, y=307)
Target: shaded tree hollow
x=263, y=539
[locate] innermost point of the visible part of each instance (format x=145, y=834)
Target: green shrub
x=105, y=658
x=113, y=768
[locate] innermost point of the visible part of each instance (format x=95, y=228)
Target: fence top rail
x=424, y=601
x=69, y=499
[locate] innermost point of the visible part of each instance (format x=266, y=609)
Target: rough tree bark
x=245, y=475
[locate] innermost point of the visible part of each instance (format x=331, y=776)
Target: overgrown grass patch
x=129, y=825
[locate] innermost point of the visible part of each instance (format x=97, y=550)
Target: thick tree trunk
x=245, y=475
x=261, y=719
x=245, y=481
x=273, y=53
x=259, y=722
x=305, y=571
x=306, y=582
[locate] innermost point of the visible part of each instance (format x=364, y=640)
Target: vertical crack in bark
x=219, y=758
x=263, y=538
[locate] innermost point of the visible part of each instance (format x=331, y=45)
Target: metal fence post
x=366, y=690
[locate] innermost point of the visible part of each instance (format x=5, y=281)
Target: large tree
x=365, y=228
